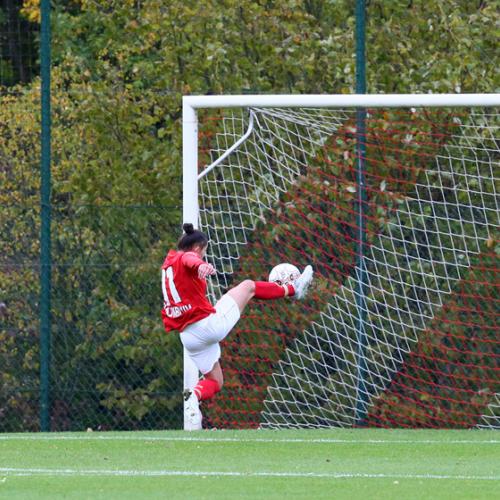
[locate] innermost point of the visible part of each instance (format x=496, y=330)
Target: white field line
x=201, y=439
x=14, y=471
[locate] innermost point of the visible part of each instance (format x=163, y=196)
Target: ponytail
x=191, y=238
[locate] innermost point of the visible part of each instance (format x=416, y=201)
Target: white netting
x=425, y=352
x=240, y=192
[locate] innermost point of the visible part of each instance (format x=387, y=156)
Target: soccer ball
x=284, y=274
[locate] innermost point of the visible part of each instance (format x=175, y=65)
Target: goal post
x=401, y=326
x=190, y=210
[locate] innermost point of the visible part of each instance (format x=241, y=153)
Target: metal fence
x=81, y=340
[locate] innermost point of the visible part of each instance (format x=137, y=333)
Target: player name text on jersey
x=176, y=311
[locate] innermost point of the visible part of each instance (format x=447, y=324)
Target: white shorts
x=201, y=339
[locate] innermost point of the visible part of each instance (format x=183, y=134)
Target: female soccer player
x=202, y=326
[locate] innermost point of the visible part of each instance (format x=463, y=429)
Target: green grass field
x=288, y=464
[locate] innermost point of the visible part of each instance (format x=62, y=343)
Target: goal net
x=394, y=202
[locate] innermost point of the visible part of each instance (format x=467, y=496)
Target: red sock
x=266, y=290
x=206, y=388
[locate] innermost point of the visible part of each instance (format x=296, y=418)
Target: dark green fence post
x=45, y=253
x=361, y=275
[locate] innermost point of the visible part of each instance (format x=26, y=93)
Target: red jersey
x=184, y=294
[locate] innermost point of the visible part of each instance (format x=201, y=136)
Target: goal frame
x=192, y=103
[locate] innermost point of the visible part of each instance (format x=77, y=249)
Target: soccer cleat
x=192, y=413
x=301, y=284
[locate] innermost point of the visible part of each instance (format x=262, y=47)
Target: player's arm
x=191, y=260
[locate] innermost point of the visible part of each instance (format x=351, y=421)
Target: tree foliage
x=18, y=44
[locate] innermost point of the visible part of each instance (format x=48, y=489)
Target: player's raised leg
x=265, y=290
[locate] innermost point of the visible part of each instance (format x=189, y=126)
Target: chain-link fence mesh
x=111, y=364
x=18, y=45
x=19, y=222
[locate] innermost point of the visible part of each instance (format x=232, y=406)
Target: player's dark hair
x=191, y=237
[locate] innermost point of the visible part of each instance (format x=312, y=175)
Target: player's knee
x=248, y=286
